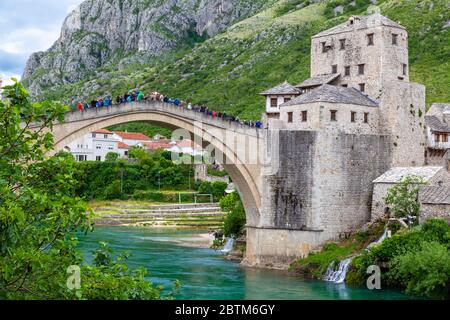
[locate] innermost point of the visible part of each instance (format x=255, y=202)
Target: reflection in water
x=204, y=273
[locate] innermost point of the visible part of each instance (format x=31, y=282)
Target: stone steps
x=178, y=215
x=165, y=207
x=161, y=211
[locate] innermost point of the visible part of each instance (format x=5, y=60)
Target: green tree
x=40, y=213
x=111, y=157
x=235, y=219
x=403, y=197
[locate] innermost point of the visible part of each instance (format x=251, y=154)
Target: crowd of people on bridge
x=137, y=96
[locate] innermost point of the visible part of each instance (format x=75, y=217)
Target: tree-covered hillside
x=229, y=70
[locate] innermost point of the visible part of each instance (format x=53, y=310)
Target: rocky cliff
x=230, y=69
x=99, y=32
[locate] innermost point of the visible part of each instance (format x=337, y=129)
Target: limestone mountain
x=99, y=32
x=237, y=62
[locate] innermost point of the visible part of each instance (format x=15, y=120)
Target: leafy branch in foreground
x=40, y=214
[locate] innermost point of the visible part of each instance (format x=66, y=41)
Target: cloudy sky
x=27, y=26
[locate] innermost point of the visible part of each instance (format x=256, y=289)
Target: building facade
x=94, y=146
x=356, y=117
x=437, y=121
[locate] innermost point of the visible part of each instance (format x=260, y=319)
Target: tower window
x=394, y=39
x=94, y=135
x=366, y=117
x=290, y=117
x=304, y=116
x=361, y=68
x=405, y=69
x=105, y=136
x=334, y=68
x=362, y=87
x=342, y=44
x=287, y=99
x=333, y=115
x=353, y=116
x=370, y=39
x=273, y=102
x=345, y=85
x=347, y=70
x=324, y=47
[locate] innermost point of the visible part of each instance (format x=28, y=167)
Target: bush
x=396, y=255
x=216, y=188
x=424, y=272
x=235, y=219
x=155, y=196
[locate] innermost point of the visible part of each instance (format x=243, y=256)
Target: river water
x=205, y=274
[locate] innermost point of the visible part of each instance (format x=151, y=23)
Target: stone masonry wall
x=344, y=168
x=321, y=191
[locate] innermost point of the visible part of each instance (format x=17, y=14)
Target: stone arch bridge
x=300, y=188
x=240, y=148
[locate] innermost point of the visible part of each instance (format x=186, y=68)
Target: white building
x=186, y=147
x=131, y=139
x=94, y=146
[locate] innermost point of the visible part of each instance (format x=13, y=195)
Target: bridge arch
x=246, y=177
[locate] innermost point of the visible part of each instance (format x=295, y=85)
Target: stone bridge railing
x=160, y=107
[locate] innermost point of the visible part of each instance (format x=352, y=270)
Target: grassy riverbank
x=416, y=260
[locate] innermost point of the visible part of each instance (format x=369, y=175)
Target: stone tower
x=370, y=53
x=357, y=116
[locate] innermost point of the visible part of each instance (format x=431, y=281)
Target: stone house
x=275, y=97
x=434, y=178
x=437, y=121
x=435, y=203
x=354, y=119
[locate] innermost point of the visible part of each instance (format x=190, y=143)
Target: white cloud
x=6, y=79
x=27, y=26
x=29, y=40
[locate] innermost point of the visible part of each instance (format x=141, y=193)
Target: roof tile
x=333, y=94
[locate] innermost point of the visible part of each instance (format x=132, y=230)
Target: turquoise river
x=205, y=274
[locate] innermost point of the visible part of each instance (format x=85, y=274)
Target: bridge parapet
x=157, y=106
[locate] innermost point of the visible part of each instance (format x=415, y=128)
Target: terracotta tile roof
x=132, y=136
x=122, y=145
x=102, y=131
x=156, y=145
x=187, y=144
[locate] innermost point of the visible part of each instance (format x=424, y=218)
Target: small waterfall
x=337, y=276
x=228, y=245
x=386, y=234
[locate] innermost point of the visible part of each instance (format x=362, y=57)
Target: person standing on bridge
x=140, y=96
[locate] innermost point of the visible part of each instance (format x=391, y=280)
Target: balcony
x=431, y=143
